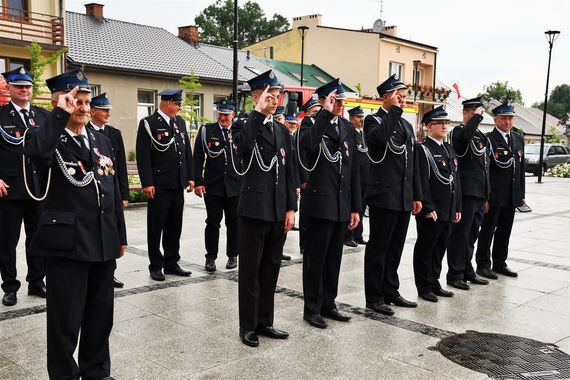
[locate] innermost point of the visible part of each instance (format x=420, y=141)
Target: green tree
x=502, y=92
x=558, y=102
x=39, y=63
x=189, y=111
x=217, y=23
x=555, y=136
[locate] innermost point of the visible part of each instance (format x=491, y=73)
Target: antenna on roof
x=381, y=8
x=379, y=24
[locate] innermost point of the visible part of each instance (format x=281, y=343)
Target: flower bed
x=561, y=171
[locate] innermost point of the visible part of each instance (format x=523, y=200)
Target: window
x=417, y=76
x=551, y=151
x=9, y=64
x=560, y=150
x=95, y=89
x=271, y=52
x=396, y=68
x=14, y=8
x=217, y=98
x=146, y=103
x=197, y=108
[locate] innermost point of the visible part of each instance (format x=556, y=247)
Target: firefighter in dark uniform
x=218, y=183
x=266, y=208
x=393, y=191
x=356, y=118
x=279, y=115
x=81, y=232
x=332, y=203
x=441, y=205
x=310, y=108
x=507, y=193
x=472, y=150
x=100, y=112
x=164, y=162
x=16, y=204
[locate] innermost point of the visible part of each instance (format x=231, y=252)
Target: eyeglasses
x=179, y=104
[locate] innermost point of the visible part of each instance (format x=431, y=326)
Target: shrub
x=561, y=171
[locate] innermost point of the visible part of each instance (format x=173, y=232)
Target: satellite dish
x=378, y=26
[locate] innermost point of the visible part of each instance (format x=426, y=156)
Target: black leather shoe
x=458, y=284
x=9, y=299
x=38, y=291
x=488, y=273
x=443, y=293
x=177, y=271
x=506, y=271
x=157, y=275
x=380, y=307
x=401, y=301
x=361, y=241
x=315, y=320
x=117, y=283
x=210, y=265
x=249, y=338
x=285, y=257
x=271, y=332
x=351, y=243
x=232, y=262
x=478, y=281
x=430, y=296
x=336, y=315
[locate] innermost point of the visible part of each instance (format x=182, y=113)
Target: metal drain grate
x=506, y=356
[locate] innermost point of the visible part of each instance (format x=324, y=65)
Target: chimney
x=94, y=9
x=189, y=34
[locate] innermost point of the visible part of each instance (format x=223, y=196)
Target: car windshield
x=533, y=149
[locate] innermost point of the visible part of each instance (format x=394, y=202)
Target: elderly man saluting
x=81, y=231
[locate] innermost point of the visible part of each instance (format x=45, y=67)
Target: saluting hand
x=265, y=102
x=329, y=101
x=67, y=102
x=3, y=189
x=479, y=111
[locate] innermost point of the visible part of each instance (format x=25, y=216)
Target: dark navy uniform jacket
x=265, y=195
x=78, y=223
x=444, y=199
x=507, y=184
x=217, y=174
x=473, y=168
x=11, y=156
x=171, y=169
x=333, y=190
x=119, y=157
x=394, y=183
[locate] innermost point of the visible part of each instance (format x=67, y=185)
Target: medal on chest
x=282, y=150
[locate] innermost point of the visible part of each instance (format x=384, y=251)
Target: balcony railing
x=29, y=26
x=426, y=92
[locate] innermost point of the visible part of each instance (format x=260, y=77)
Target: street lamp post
x=416, y=63
x=303, y=31
x=235, y=66
x=551, y=36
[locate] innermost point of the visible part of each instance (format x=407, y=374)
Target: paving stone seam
x=541, y=264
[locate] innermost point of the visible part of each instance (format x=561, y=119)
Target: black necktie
x=269, y=126
x=172, y=123
x=508, y=136
x=84, y=151
x=225, y=133
x=26, y=118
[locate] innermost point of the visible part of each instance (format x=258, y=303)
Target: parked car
x=554, y=154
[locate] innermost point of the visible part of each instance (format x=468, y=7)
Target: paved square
x=187, y=328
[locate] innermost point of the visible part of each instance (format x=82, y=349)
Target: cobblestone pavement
x=187, y=328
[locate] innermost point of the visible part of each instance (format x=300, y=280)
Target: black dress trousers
x=261, y=248
x=12, y=213
x=321, y=264
x=383, y=252
x=216, y=208
x=462, y=240
x=497, y=226
x=428, y=253
x=164, y=217
x=80, y=295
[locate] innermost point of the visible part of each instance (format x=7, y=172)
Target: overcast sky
x=479, y=41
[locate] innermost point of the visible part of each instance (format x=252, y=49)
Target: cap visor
x=224, y=112
x=103, y=107
x=21, y=83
